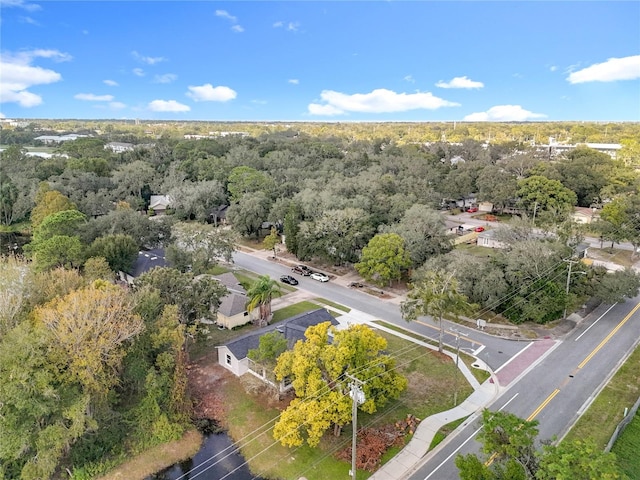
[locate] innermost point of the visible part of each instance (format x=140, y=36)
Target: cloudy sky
x=321, y=61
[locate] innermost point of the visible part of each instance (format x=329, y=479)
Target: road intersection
x=552, y=380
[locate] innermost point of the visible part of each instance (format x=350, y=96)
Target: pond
x=217, y=459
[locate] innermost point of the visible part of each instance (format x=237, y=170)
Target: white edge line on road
x=476, y=352
x=465, y=442
x=589, y=327
x=513, y=358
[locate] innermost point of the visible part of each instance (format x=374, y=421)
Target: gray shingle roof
x=232, y=304
x=148, y=260
x=293, y=330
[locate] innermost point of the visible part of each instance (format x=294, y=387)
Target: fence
x=623, y=423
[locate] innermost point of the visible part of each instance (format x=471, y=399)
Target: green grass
x=332, y=304
x=291, y=310
x=218, y=270
x=444, y=431
x=430, y=391
x=627, y=447
x=607, y=410
x=481, y=375
x=620, y=257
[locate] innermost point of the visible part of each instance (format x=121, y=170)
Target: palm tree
x=436, y=295
x=260, y=295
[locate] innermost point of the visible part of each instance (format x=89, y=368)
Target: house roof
x=293, y=330
x=148, y=260
x=230, y=281
x=589, y=212
x=159, y=201
x=232, y=304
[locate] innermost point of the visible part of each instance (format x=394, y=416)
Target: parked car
x=356, y=285
x=472, y=209
x=300, y=271
x=321, y=277
x=478, y=229
x=288, y=279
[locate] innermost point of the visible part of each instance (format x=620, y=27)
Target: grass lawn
x=430, y=390
x=295, y=309
x=627, y=447
x=621, y=257
x=157, y=458
x=332, y=304
x=607, y=410
x=444, y=431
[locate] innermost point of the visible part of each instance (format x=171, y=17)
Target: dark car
x=356, y=285
x=301, y=271
x=288, y=279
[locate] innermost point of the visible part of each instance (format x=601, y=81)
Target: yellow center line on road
x=450, y=333
x=543, y=404
x=529, y=418
x=608, y=337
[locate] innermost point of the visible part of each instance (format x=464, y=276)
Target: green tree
x=97, y=268
x=50, y=202
x=576, y=460
x=66, y=222
x=423, y=230
x=436, y=295
x=291, y=228
x=120, y=251
x=271, y=345
x=339, y=234
x=247, y=216
x=318, y=369
x=199, y=246
x=616, y=286
x=384, y=259
x=58, y=251
x=260, y=295
x=509, y=442
x=8, y=198
x=15, y=280
x=539, y=193
x=244, y=179
x=271, y=240
x=196, y=297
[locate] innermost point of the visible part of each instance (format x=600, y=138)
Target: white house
x=119, y=147
x=232, y=311
x=488, y=239
x=233, y=355
x=585, y=215
x=159, y=204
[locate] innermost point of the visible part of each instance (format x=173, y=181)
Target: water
x=217, y=459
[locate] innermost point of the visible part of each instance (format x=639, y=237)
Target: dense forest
x=75, y=390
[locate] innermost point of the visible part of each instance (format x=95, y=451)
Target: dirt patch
x=206, y=384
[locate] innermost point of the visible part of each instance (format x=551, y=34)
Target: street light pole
x=570, y=262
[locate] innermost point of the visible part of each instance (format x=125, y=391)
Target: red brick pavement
x=518, y=364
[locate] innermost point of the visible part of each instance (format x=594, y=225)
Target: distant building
x=119, y=147
x=585, y=215
x=52, y=139
x=553, y=148
x=159, y=204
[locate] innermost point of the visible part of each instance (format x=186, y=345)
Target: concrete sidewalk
x=400, y=466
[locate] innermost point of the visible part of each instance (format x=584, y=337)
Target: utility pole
x=357, y=395
x=457, y=333
x=570, y=262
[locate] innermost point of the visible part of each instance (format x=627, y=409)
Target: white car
x=321, y=277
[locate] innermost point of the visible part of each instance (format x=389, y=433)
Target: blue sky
x=321, y=61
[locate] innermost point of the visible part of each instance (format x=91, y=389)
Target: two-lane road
x=559, y=388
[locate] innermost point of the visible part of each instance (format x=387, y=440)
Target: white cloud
x=504, y=113
x=2, y=115
x=289, y=26
x=117, y=105
x=553, y=68
x=166, y=78
x=278, y=25
x=237, y=28
x=460, y=82
x=147, y=60
x=259, y=102
x=30, y=7
x=409, y=78
x=293, y=81
x=209, y=93
x=225, y=14
x=18, y=75
x=138, y=72
x=90, y=97
x=168, y=106
x=29, y=20
x=377, y=101
x=111, y=83
x=625, y=68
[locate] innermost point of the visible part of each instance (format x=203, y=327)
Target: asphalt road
x=494, y=351
x=558, y=389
